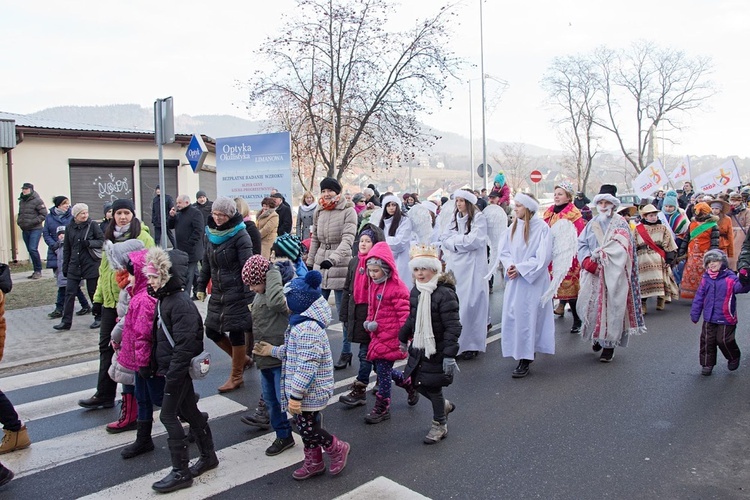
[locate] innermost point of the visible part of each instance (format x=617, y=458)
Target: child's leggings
x=384, y=369
x=713, y=335
x=313, y=435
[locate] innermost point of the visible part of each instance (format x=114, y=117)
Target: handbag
x=119, y=373
x=6, y=282
x=96, y=253
x=200, y=364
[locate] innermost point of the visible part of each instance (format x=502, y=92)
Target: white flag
x=681, y=173
x=719, y=179
x=650, y=180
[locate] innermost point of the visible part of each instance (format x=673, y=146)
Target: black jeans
x=8, y=415
x=236, y=337
x=73, y=289
x=435, y=395
x=60, y=301
x=106, y=388
x=179, y=399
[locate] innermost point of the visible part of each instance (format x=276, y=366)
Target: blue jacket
x=51, y=223
x=716, y=298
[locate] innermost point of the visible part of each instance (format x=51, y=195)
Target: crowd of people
x=411, y=281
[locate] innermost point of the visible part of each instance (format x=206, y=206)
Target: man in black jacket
x=31, y=216
x=285, y=214
x=203, y=204
x=156, y=216
x=187, y=222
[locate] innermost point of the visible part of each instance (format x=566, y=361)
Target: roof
x=33, y=122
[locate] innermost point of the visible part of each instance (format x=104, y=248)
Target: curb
x=39, y=360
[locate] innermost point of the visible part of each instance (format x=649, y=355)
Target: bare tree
x=570, y=83
x=514, y=164
x=648, y=86
x=354, y=89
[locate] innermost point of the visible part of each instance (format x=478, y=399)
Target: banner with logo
x=681, y=173
x=650, y=180
x=719, y=179
x=251, y=166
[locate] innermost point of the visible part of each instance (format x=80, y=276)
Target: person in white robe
x=465, y=242
x=526, y=253
x=398, y=234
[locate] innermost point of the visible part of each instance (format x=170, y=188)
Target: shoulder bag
x=96, y=253
x=200, y=364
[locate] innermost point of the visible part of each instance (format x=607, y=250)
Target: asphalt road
x=647, y=425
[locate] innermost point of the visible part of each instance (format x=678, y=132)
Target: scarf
x=266, y=213
x=739, y=209
x=296, y=319
x=712, y=274
x=360, y=280
x=329, y=205
x=559, y=208
x=424, y=338
x=359, y=209
x=309, y=208
x=59, y=213
x=121, y=231
x=217, y=237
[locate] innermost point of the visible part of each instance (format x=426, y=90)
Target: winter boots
x=660, y=303
x=437, y=432
x=338, y=452
x=15, y=440
x=644, y=309
x=312, y=466
x=143, y=442
x=380, y=412
x=357, y=396
x=235, y=380
x=259, y=418
x=411, y=392
x=522, y=369
x=207, y=459
x=179, y=477
x=5, y=475
x=560, y=309
x=128, y=420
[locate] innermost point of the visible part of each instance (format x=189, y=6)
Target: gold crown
x=423, y=250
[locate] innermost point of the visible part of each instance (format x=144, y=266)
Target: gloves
x=262, y=348
x=450, y=367
x=326, y=264
x=85, y=243
x=145, y=372
x=590, y=265
x=96, y=309
x=403, y=347
x=294, y=406
x=744, y=277
x=201, y=296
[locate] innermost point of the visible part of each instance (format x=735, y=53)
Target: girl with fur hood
x=716, y=300
x=178, y=315
x=433, y=328
x=387, y=310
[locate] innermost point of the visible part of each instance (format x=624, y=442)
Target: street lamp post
x=484, y=121
x=471, y=140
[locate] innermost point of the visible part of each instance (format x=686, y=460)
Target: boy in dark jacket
x=715, y=298
x=433, y=327
x=177, y=314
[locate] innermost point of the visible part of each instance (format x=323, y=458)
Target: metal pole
x=162, y=186
x=484, y=121
x=471, y=141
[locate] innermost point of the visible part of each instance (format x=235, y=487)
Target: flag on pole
x=650, y=180
x=718, y=179
x=681, y=173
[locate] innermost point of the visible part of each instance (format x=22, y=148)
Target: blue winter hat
x=670, y=199
x=500, y=179
x=302, y=292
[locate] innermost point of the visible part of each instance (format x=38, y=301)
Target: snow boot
x=128, y=420
x=338, y=451
x=411, y=392
x=380, y=412
x=143, y=442
x=437, y=432
x=660, y=303
x=357, y=396
x=179, y=477
x=207, y=459
x=312, y=466
x=260, y=417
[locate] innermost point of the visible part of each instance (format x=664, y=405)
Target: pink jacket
x=137, y=336
x=388, y=305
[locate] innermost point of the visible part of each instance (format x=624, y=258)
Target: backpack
x=6, y=283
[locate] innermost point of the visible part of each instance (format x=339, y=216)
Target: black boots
x=357, y=396
x=522, y=369
x=207, y=459
x=344, y=360
x=143, y=442
x=179, y=477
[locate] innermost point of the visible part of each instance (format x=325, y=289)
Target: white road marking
x=382, y=488
x=49, y=407
x=42, y=377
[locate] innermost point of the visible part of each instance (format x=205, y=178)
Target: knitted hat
x=78, y=208
x=302, y=292
x=199, y=194
x=107, y=207
x=287, y=245
x=670, y=199
x=60, y=229
x=225, y=206
x=255, y=269
x=117, y=253
x=332, y=184
x=424, y=257
x=358, y=197
x=701, y=208
x=123, y=204
x=59, y=200
x=500, y=179
x=376, y=262
x=715, y=255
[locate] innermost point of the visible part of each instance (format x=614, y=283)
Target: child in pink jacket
x=388, y=308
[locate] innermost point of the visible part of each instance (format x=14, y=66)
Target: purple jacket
x=137, y=335
x=715, y=298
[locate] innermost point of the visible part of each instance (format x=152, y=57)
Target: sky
x=86, y=52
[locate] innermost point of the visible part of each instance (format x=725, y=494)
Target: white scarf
x=424, y=338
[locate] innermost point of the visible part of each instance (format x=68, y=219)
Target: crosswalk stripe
x=48, y=407
x=238, y=464
x=68, y=448
x=49, y=375
x=382, y=487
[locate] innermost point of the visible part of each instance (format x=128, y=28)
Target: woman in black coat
x=177, y=314
x=82, y=238
x=252, y=229
x=228, y=246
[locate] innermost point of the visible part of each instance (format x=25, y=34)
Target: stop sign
x=535, y=176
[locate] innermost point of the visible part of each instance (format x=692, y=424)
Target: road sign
x=480, y=170
x=535, y=176
x=196, y=152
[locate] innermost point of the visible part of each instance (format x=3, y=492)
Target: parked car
x=630, y=198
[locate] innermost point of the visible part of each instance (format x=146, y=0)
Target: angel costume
x=528, y=325
x=400, y=244
x=466, y=256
